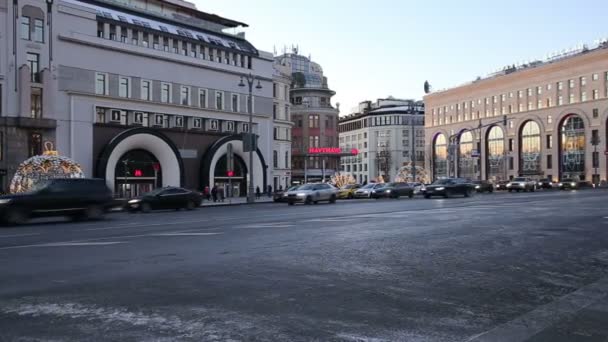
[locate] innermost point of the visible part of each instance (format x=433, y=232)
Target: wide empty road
x=496, y=267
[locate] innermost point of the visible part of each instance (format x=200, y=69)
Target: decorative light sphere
x=39, y=168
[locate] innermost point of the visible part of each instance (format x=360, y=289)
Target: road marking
x=545, y=316
x=18, y=235
x=139, y=225
x=184, y=234
x=268, y=225
x=66, y=244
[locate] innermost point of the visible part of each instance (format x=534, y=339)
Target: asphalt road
x=496, y=267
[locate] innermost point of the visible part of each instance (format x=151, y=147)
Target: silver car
x=522, y=184
x=366, y=191
x=312, y=193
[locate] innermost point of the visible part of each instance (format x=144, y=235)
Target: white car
x=366, y=191
x=418, y=187
x=522, y=184
x=312, y=193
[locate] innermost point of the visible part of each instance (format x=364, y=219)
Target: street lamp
x=250, y=81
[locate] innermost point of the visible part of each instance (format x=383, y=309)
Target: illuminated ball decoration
x=49, y=165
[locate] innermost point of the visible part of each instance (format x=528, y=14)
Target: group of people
x=258, y=192
x=216, y=193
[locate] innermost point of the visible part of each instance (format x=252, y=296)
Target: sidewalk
x=235, y=201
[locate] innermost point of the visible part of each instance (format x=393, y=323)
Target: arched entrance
x=466, y=162
x=137, y=172
x=440, y=157
x=495, y=155
x=161, y=149
x=572, y=147
x=237, y=182
x=530, y=149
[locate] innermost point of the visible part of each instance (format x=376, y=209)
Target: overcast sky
x=373, y=49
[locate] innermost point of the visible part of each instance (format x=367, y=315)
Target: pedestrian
x=214, y=193
x=270, y=191
x=257, y=192
x=280, y=188
x=206, y=193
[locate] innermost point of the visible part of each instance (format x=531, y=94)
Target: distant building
x=556, y=114
x=388, y=134
x=281, y=114
x=315, y=119
x=142, y=93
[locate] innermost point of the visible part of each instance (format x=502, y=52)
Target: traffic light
x=230, y=173
x=138, y=173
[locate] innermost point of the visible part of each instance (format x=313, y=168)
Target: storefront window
x=572, y=149
x=530, y=149
x=495, y=155
x=440, y=152
x=466, y=163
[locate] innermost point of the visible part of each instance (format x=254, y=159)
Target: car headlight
x=301, y=194
x=440, y=189
x=5, y=201
x=540, y=184
x=509, y=185
x=388, y=191
x=560, y=184
x=134, y=201
x=550, y=183
x=477, y=186
x=573, y=184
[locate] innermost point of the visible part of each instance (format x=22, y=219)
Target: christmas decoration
x=341, y=179
x=49, y=165
x=405, y=174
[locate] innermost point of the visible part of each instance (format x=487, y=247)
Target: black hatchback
x=449, y=187
x=78, y=198
x=165, y=198
x=393, y=190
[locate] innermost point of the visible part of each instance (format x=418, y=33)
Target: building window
x=595, y=77
x=146, y=91
x=197, y=123
x=179, y=121
x=274, y=111
x=35, y=144
x=101, y=84
x=235, y=103
x=570, y=84
x=549, y=86
x=185, y=96
x=560, y=100
x=560, y=85
x=313, y=121
x=596, y=113
x=101, y=115
x=25, y=28
x=286, y=159
x=286, y=116
x=549, y=104
x=549, y=119
x=274, y=90
x=313, y=141
x=123, y=87
x=510, y=145
x=549, y=141
x=202, y=98
x=583, y=81
x=529, y=91
x=36, y=103
x=539, y=90
x=38, y=31
x=596, y=94
x=520, y=94
x=219, y=100
x=275, y=159
x=572, y=100
x=549, y=161
x=583, y=96
x=165, y=92
x=33, y=61
x=539, y=104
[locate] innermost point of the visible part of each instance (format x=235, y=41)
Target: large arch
x=572, y=147
x=466, y=162
x=495, y=154
x=440, y=156
x=219, y=149
x=157, y=144
x=530, y=149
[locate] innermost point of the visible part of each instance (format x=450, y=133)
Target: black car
x=449, y=187
x=568, y=184
x=502, y=186
x=165, y=198
x=545, y=183
x=78, y=198
x=483, y=186
x=393, y=190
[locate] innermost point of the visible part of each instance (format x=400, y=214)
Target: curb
x=226, y=204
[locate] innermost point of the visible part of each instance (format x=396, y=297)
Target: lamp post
x=413, y=140
x=250, y=81
x=595, y=140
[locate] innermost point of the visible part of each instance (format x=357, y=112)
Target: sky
x=375, y=49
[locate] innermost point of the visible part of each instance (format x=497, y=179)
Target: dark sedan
x=393, y=190
x=483, y=186
x=545, y=183
x=449, y=187
x=165, y=198
x=502, y=186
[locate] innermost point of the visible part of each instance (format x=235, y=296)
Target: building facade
x=281, y=114
x=542, y=119
x=315, y=120
x=388, y=134
x=140, y=93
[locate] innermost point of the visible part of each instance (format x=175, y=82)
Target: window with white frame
x=595, y=77
x=179, y=121
x=235, y=102
x=159, y=120
x=560, y=100
x=560, y=85
x=219, y=100
x=570, y=84
x=596, y=94
x=583, y=96
x=213, y=125
x=583, y=81
x=572, y=98
x=185, y=96
x=230, y=126
x=138, y=117
x=115, y=115
x=146, y=90
x=165, y=92
x=124, y=89
x=101, y=83
x=197, y=123
x=202, y=98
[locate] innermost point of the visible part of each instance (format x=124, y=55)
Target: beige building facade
x=542, y=120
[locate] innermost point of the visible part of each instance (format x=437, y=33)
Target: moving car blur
x=366, y=191
x=450, y=186
x=348, y=191
x=165, y=198
x=312, y=193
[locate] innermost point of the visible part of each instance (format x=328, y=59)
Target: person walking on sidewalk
x=206, y=192
x=269, y=191
x=214, y=193
x=257, y=192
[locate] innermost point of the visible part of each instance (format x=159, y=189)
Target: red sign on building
x=331, y=150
